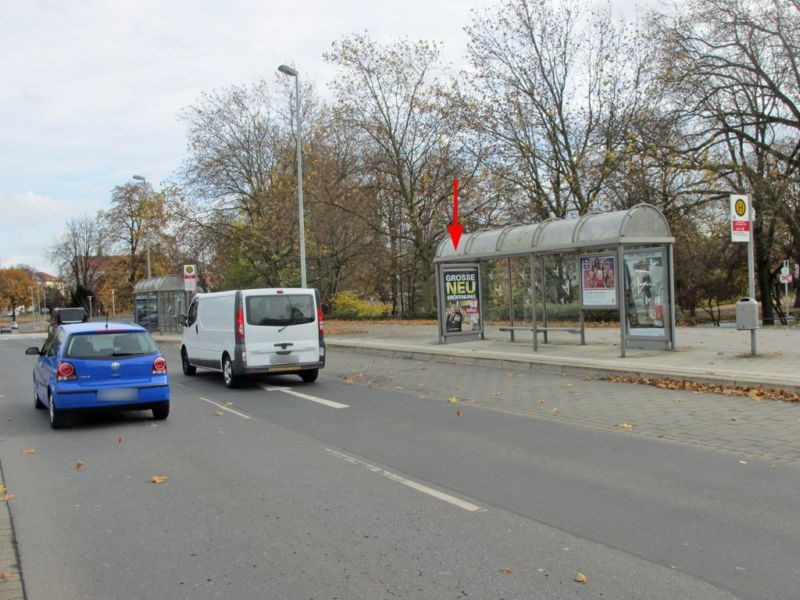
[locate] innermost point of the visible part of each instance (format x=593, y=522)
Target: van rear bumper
x=277, y=369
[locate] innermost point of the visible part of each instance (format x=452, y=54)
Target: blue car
x=99, y=365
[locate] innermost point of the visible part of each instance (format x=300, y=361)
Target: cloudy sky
x=90, y=90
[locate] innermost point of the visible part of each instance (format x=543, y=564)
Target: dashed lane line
x=285, y=390
x=223, y=407
x=463, y=504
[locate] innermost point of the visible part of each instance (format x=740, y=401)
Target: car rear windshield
x=279, y=311
x=110, y=344
x=71, y=315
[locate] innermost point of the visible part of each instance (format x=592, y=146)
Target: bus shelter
x=620, y=261
x=158, y=301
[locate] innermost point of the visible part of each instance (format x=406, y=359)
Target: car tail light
x=320, y=320
x=65, y=371
x=160, y=366
x=240, y=325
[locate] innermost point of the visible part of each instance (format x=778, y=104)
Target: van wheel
x=309, y=376
x=231, y=379
x=188, y=369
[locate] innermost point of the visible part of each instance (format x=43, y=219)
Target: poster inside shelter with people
x=462, y=300
x=599, y=280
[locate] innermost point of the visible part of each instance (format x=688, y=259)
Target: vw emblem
x=115, y=366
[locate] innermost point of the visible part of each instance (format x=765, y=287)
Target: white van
x=254, y=331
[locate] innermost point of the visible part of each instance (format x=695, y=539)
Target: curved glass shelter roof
x=166, y=283
x=643, y=224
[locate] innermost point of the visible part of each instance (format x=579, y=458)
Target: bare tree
x=239, y=174
x=556, y=89
x=410, y=148
x=732, y=66
x=75, y=254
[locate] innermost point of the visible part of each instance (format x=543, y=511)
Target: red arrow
x=455, y=229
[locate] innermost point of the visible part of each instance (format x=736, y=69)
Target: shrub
x=349, y=304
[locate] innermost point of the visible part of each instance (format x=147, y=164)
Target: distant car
x=14, y=325
x=5, y=329
x=99, y=365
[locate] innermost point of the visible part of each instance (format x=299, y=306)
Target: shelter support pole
x=441, y=311
x=582, y=316
x=510, y=300
x=534, y=322
x=623, y=308
x=671, y=299
x=544, y=300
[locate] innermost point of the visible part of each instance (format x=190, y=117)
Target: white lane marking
x=468, y=506
x=330, y=403
x=223, y=407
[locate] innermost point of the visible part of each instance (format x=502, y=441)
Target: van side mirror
x=182, y=320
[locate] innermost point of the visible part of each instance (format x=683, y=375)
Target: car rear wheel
x=310, y=376
x=56, y=416
x=161, y=411
x=188, y=369
x=36, y=402
x=231, y=379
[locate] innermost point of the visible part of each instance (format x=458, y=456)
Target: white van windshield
x=280, y=311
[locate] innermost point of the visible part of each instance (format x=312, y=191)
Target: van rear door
x=281, y=327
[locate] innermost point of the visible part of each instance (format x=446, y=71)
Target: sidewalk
x=717, y=356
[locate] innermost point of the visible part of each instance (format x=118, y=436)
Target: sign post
x=786, y=279
x=189, y=278
x=742, y=231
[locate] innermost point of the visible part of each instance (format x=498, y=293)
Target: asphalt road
x=348, y=489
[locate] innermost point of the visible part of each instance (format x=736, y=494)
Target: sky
x=91, y=90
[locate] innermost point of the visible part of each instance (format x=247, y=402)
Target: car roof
x=102, y=327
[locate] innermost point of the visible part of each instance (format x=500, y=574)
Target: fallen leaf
x=506, y=571
x=458, y=413
x=540, y=401
x=158, y=479
x=567, y=385
x=453, y=400
x=580, y=577
x=2, y=489
x=6, y=497
x=28, y=451
x=349, y=380
x=742, y=462
x=495, y=394
x=720, y=353
x=229, y=404
x=119, y=440
x=79, y=465
x=678, y=400
x=5, y=575
x=624, y=426
x=553, y=410
x=219, y=413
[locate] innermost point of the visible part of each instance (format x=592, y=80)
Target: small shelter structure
x=158, y=301
x=621, y=260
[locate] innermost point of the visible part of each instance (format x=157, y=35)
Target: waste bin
x=747, y=314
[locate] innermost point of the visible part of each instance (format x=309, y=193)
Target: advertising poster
x=599, y=281
x=645, y=292
x=462, y=300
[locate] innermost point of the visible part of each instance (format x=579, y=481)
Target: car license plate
x=117, y=394
x=285, y=368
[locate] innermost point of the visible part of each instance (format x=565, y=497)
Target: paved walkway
x=719, y=356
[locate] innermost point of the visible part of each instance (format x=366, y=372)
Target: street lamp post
x=144, y=181
x=33, y=305
x=291, y=72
